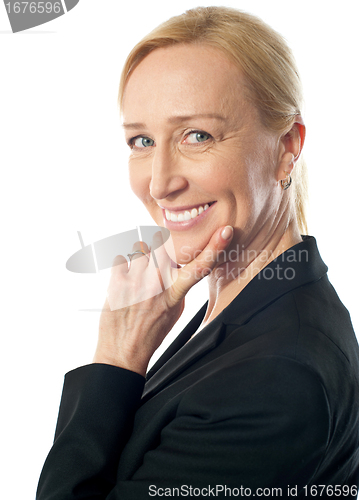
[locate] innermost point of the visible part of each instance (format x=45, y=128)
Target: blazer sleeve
x=260, y=423
x=95, y=420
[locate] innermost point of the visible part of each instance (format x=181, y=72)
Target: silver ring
x=129, y=255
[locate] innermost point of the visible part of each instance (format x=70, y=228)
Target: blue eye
x=143, y=142
x=196, y=137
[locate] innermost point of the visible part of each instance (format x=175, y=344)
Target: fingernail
x=227, y=232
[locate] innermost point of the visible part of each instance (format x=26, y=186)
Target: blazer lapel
x=179, y=341
x=173, y=364
x=265, y=288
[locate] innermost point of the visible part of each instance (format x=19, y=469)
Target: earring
x=285, y=183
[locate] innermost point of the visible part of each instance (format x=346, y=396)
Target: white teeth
x=194, y=213
x=186, y=215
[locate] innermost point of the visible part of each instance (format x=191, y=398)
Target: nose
x=167, y=176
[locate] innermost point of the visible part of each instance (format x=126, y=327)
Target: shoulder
x=325, y=339
x=308, y=324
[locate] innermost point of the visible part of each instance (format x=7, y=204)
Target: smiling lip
x=185, y=217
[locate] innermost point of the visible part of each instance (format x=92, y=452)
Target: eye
x=141, y=142
x=196, y=137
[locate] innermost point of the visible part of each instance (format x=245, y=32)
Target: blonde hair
x=261, y=53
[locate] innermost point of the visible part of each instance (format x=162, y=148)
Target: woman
x=259, y=394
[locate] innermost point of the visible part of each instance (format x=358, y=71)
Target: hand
x=144, y=301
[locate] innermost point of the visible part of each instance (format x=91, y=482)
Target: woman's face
x=200, y=156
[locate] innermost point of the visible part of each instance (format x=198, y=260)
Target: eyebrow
x=177, y=119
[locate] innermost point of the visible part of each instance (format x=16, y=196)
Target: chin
x=180, y=252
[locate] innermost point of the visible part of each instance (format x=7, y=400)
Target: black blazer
x=265, y=396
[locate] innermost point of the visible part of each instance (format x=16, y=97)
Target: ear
x=290, y=148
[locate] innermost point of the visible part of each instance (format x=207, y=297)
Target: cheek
x=230, y=165
x=139, y=184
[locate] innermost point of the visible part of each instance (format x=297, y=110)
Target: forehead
x=186, y=79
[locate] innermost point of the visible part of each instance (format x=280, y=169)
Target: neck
x=241, y=264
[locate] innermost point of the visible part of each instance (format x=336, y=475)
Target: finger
x=138, y=261
x=106, y=307
x=161, y=260
x=203, y=264
x=139, y=246
x=119, y=265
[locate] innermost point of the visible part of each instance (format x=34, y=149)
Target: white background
x=63, y=170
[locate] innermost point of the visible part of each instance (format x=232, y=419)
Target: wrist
x=108, y=358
